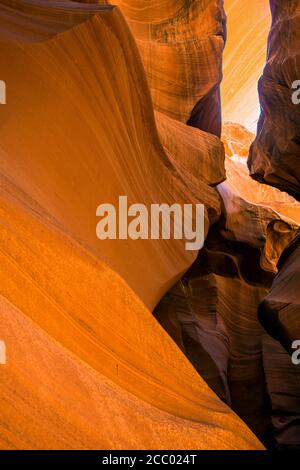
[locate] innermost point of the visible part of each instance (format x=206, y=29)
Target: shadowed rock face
x=212, y=312
x=212, y=315
x=279, y=312
x=275, y=155
x=275, y=159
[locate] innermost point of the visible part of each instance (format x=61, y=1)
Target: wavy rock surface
x=181, y=44
x=91, y=144
x=79, y=342
x=83, y=352
x=275, y=154
x=283, y=385
x=212, y=315
x=280, y=310
x=212, y=312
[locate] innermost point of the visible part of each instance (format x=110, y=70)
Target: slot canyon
x=142, y=344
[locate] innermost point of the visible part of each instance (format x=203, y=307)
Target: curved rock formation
x=95, y=344
x=279, y=312
x=274, y=159
x=97, y=139
x=212, y=315
x=282, y=383
x=85, y=356
x=83, y=352
x=275, y=154
x=195, y=153
x=212, y=312
x=181, y=45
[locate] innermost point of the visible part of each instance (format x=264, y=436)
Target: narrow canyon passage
x=127, y=343
x=212, y=313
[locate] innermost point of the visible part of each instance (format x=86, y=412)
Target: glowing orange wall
x=248, y=24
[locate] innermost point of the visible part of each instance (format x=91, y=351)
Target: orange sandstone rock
x=181, y=44
x=86, y=134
